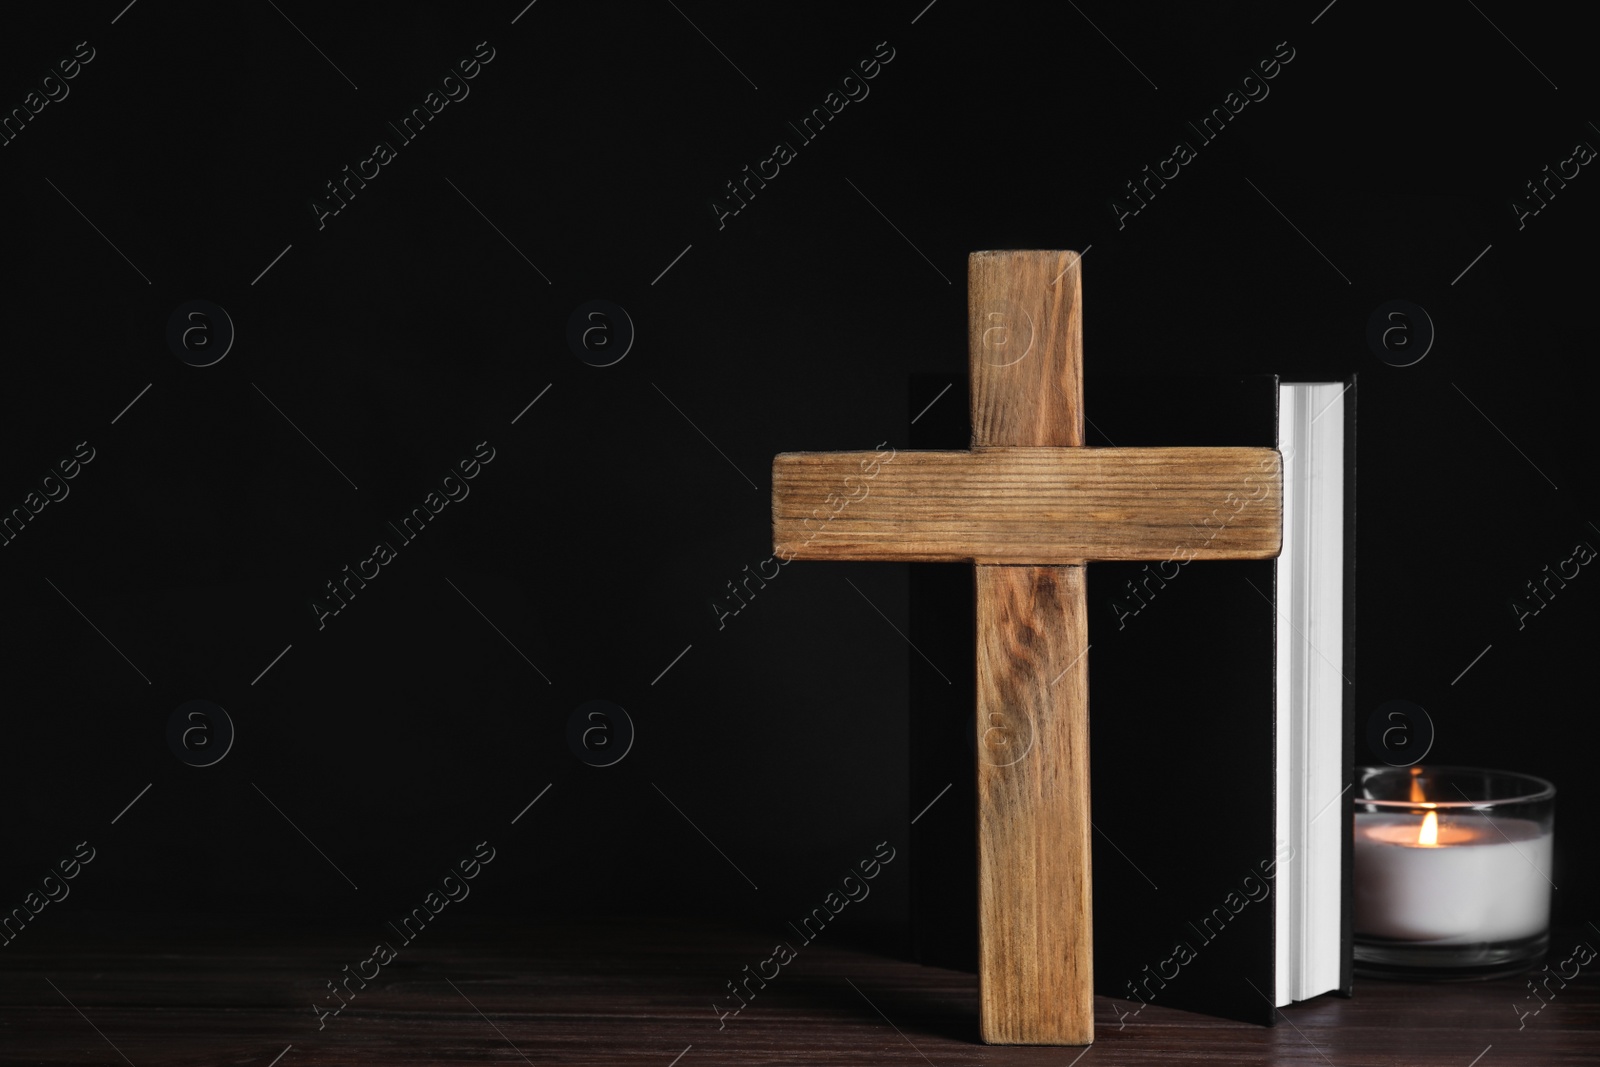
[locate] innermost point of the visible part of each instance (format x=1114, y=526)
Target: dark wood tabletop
x=165, y=992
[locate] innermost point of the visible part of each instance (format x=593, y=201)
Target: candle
x=1481, y=879
x=1451, y=871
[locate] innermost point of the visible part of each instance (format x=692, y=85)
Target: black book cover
x=1182, y=723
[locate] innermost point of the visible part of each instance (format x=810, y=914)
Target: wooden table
x=156, y=992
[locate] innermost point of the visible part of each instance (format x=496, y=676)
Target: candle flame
x=1429, y=834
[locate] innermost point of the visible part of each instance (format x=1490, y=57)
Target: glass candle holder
x=1451, y=872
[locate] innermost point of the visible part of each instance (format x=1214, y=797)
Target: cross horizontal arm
x=1029, y=505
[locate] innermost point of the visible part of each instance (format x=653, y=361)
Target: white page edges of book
x=1310, y=689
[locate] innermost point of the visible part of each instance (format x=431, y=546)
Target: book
x=1221, y=704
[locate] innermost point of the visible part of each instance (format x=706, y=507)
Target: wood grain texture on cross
x=1030, y=505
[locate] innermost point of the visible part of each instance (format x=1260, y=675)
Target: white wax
x=1483, y=881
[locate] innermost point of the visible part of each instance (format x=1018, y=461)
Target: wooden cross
x=1030, y=507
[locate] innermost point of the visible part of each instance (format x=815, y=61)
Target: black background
x=619, y=505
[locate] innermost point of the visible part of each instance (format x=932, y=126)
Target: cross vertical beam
x=1035, y=951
